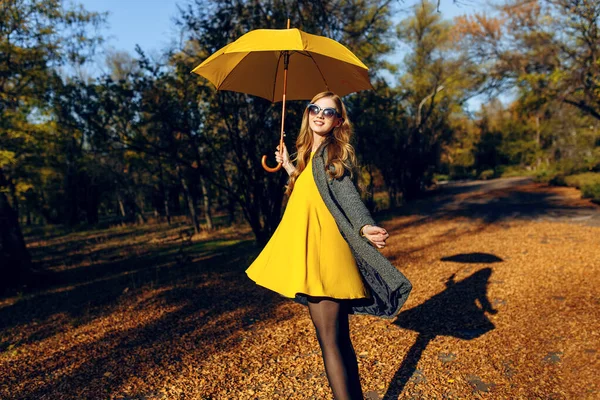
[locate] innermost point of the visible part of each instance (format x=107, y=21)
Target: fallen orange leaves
x=138, y=324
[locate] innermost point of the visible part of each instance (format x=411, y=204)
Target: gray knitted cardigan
x=389, y=288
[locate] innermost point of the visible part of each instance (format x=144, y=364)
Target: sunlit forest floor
x=505, y=305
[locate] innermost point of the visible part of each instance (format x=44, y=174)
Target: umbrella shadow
x=458, y=311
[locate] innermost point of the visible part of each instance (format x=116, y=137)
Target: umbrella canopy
x=254, y=64
x=258, y=64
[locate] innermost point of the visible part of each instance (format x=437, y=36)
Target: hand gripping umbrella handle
x=267, y=168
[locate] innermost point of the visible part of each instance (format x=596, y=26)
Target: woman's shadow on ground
x=458, y=311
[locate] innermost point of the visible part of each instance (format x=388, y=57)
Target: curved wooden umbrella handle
x=267, y=168
x=286, y=60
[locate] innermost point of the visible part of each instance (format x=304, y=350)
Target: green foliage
x=441, y=178
x=238, y=129
x=514, y=170
x=7, y=157
x=458, y=172
x=588, y=183
x=413, y=122
x=558, y=180
x=545, y=174
x=487, y=174
x=548, y=50
x=510, y=140
x=36, y=37
x=591, y=191
x=150, y=136
x=544, y=52
x=581, y=180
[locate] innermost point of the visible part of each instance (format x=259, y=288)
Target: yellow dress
x=307, y=254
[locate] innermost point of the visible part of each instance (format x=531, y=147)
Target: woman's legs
x=330, y=318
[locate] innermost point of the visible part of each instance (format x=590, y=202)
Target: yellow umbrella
x=257, y=63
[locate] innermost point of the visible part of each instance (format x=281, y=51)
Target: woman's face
x=320, y=124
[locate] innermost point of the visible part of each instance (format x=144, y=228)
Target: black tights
x=330, y=318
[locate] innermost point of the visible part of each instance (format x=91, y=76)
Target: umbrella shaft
x=286, y=61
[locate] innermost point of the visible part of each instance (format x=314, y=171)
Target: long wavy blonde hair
x=340, y=153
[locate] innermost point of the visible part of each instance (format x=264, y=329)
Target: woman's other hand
x=376, y=235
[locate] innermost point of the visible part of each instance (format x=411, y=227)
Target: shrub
x=591, y=191
x=558, y=180
x=581, y=180
x=441, y=177
x=487, y=174
x=514, y=170
x=587, y=182
x=545, y=174
x=458, y=172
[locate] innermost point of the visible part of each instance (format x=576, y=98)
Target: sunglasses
x=328, y=113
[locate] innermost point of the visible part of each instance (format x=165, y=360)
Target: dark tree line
x=151, y=139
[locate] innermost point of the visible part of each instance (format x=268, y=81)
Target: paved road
x=509, y=199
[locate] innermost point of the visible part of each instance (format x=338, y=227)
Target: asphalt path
x=507, y=199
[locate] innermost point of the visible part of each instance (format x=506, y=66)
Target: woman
x=323, y=253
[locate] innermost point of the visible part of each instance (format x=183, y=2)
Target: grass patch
x=487, y=174
x=441, y=178
x=514, y=171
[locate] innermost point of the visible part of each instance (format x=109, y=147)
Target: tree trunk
x=190, y=201
x=165, y=193
x=261, y=234
x=13, y=196
x=231, y=203
x=15, y=261
x=537, y=130
x=92, y=203
x=370, y=202
x=73, y=204
x=72, y=179
x=206, y=204
x=121, y=205
x=538, y=140
x=140, y=206
x=205, y=194
x=392, y=197
x=166, y=206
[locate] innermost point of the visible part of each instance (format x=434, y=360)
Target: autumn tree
x=549, y=49
x=545, y=52
x=36, y=37
x=239, y=128
x=171, y=123
x=413, y=121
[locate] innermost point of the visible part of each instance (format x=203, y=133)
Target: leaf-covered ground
x=505, y=305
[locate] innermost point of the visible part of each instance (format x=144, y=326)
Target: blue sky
x=149, y=23
x=130, y=22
